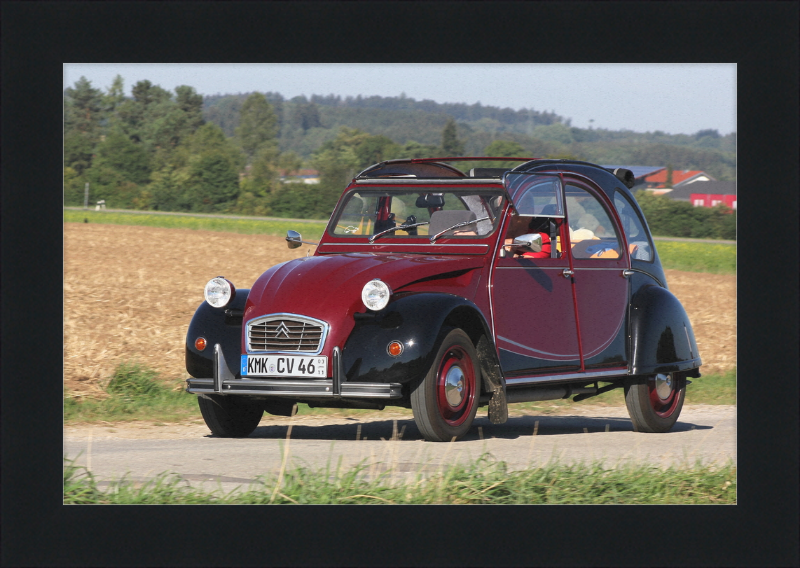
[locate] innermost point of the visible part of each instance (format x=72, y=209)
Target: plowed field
x=130, y=292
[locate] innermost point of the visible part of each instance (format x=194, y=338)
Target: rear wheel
x=446, y=400
x=230, y=416
x=655, y=401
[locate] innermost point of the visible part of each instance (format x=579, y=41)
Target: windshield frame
x=405, y=186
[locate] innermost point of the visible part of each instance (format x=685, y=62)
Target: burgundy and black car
x=444, y=291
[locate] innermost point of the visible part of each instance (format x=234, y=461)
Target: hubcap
x=454, y=386
x=664, y=386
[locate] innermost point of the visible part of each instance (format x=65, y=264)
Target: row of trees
x=307, y=123
x=176, y=151
x=154, y=150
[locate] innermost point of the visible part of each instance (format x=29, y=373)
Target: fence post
x=86, y=197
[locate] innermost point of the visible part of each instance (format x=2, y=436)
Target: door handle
x=627, y=272
x=567, y=273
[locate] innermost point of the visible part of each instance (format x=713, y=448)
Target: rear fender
x=216, y=325
x=420, y=321
x=662, y=339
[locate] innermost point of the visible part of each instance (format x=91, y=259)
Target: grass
x=255, y=226
x=485, y=481
x=697, y=257
x=713, y=389
x=138, y=393
x=134, y=393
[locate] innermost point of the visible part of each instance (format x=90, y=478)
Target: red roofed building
x=679, y=178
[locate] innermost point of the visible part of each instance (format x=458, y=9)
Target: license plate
x=284, y=366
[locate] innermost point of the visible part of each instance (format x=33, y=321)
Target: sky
x=672, y=98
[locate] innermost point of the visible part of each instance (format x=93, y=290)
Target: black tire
x=454, y=372
x=654, y=402
x=230, y=416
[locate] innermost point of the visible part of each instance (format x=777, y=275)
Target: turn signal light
x=200, y=343
x=395, y=348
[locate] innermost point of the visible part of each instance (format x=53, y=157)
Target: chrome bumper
x=295, y=388
x=224, y=382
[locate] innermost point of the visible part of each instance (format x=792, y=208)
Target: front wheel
x=230, y=416
x=446, y=400
x=654, y=402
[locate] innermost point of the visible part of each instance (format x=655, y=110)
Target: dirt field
x=130, y=292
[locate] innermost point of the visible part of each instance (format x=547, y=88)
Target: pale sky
x=673, y=98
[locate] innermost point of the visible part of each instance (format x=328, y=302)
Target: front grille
x=286, y=333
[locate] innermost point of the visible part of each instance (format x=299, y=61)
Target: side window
x=591, y=230
x=638, y=240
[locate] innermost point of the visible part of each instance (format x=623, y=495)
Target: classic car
x=444, y=291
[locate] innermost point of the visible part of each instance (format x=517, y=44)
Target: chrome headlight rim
x=375, y=294
x=219, y=292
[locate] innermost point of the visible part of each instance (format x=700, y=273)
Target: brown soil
x=130, y=292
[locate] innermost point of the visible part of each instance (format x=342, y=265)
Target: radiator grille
x=285, y=334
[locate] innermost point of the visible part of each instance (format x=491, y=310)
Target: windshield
x=390, y=213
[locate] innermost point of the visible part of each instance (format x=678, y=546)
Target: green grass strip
x=256, y=226
x=688, y=256
x=136, y=392
x=697, y=257
x=483, y=482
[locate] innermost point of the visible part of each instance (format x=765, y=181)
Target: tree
x=82, y=114
x=83, y=105
x=192, y=105
x=257, y=124
x=115, y=95
x=503, y=148
x=451, y=145
x=375, y=149
x=668, y=182
x=120, y=154
x=305, y=115
x=213, y=182
x=413, y=149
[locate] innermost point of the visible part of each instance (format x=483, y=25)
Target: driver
x=540, y=225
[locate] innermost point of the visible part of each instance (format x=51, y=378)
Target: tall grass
x=311, y=230
x=485, y=481
x=697, y=257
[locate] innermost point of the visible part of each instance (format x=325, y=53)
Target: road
x=392, y=442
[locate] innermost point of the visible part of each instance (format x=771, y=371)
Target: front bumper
x=224, y=382
x=295, y=388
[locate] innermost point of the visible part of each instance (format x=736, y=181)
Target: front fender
x=216, y=326
x=662, y=339
x=419, y=320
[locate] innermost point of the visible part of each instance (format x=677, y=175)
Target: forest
x=160, y=150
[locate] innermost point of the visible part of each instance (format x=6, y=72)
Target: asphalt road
x=392, y=442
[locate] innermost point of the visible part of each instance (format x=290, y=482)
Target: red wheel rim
x=664, y=392
x=455, y=386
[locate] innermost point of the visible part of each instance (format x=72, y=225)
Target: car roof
x=608, y=179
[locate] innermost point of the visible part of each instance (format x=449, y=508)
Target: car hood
x=329, y=287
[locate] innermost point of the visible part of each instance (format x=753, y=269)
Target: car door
x=533, y=305
x=600, y=260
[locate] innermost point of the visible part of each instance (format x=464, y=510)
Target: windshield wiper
x=393, y=229
x=456, y=226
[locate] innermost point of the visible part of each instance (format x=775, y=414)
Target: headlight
x=219, y=292
x=375, y=295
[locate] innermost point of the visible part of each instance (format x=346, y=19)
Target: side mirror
x=533, y=241
x=294, y=240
